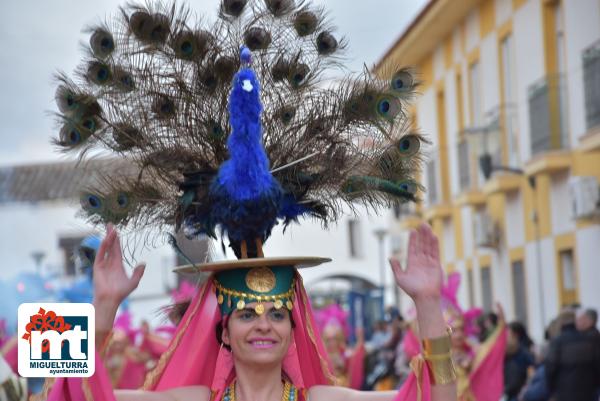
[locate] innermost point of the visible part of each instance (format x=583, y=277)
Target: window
x=475, y=95
x=432, y=193
x=471, y=287
x=68, y=246
x=591, y=85
x=354, y=238
x=486, y=288
x=519, y=291
x=567, y=278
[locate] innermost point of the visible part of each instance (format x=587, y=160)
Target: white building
x=518, y=80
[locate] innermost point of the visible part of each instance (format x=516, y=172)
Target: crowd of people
x=564, y=367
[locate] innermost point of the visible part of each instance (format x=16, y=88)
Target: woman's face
x=259, y=339
x=458, y=337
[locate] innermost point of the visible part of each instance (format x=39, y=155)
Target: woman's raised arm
x=422, y=281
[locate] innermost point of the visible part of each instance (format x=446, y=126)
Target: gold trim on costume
x=485, y=348
x=87, y=391
x=416, y=364
x=258, y=298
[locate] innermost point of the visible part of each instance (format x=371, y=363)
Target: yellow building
x=516, y=84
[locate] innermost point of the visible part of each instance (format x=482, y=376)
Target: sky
x=39, y=38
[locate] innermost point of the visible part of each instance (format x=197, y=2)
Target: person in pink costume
x=125, y=361
x=347, y=363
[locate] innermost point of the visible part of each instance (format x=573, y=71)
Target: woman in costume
x=254, y=348
x=161, y=93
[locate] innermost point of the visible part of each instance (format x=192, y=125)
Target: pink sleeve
x=356, y=367
x=487, y=376
x=95, y=388
x=418, y=385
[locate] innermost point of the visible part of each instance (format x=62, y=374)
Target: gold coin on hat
x=278, y=304
x=289, y=305
x=241, y=304
x=259, y=309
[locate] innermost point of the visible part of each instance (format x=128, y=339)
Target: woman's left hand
x=422, y=278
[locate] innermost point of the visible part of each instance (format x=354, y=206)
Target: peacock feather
x=230, y=143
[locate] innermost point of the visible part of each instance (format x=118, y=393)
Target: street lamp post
x=380, y=235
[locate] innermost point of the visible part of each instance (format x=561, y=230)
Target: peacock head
x=246, y=81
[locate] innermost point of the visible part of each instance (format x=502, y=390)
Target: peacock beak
x=247, y=85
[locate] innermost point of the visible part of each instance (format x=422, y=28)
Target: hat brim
x=299, y=262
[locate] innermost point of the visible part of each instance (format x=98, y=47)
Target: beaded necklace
x=290, y=393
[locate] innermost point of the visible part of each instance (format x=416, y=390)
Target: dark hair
x=592, y=314
x=219, y=329
x=521, y=332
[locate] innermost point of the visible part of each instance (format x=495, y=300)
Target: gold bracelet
x=438, y=359
x=437, y=345
x=441, y=371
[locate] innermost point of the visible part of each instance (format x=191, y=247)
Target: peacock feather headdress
x=232, y=127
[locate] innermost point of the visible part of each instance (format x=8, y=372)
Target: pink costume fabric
x=194, y=357
x=8, y=350
x=130, y=372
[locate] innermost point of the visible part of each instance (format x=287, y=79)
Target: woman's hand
x=422, y=278
x=111, y=283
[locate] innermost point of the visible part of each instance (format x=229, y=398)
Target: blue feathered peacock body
x=220, y=147
x=245, y=196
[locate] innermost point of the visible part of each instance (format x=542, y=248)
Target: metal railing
x=547, y=114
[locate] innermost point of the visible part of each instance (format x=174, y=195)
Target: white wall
x=472, y=31
x=514, y=220
x=466, y=219
x=490, y=78
x=449, y=251
x=587, y=242
x=503, y=11
x=560, y=205
x=548, y=284
x=463, y=290
x=529, y=65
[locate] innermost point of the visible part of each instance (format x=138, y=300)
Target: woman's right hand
x=111, y=283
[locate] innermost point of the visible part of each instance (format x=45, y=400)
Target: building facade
x=510, y=99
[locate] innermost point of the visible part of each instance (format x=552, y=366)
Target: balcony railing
x=547, y=114
x=591, y=84
x=474, y=142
